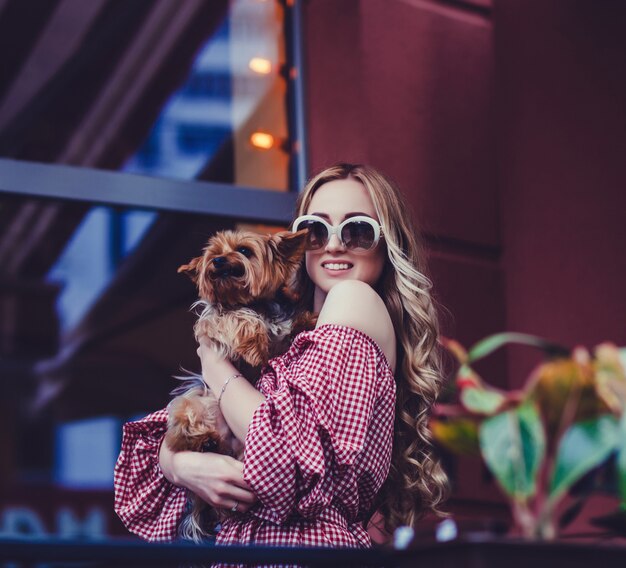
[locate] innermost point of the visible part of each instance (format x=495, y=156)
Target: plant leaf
x=455, y=348
x=513, y=446
x=490, y=344
x=571, y=513
x=459, y=435
x=583, y=446
x=482, y=401
x=610, y=376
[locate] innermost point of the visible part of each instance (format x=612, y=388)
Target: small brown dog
x=250, y=313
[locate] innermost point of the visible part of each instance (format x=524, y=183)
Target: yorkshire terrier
x=250, y=313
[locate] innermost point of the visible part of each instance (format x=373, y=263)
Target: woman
x=330, y=437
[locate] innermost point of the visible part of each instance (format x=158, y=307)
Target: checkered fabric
x=317, y=450
x=148, y=504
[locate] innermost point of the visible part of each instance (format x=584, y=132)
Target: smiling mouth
x=336, y=265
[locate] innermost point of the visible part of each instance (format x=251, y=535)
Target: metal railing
x=476, y=552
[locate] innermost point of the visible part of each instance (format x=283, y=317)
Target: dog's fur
x=250, y=314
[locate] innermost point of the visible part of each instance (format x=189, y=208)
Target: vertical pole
x=294, y=39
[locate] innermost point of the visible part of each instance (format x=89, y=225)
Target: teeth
x=336, y=266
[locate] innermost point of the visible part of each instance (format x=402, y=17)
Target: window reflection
x=93, y=327
x=154, y=88
x=235, y=86
x=92, y=256
x=94, y=319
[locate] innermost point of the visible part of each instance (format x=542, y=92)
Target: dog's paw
x=254, y=350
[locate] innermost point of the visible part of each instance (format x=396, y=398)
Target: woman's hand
x=215, y=478
x=215, y=368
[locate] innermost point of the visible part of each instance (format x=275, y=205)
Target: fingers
x=236, y=476
x=239, y=507
x=204, y=341
x=241, y=502
x=225, y=496
x=218, y=480
x=243, y=496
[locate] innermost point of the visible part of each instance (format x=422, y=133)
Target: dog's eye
x=245, y=251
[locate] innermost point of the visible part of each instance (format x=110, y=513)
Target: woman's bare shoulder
x=356, y=304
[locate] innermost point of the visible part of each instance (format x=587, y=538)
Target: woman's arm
x=215, y=478
x=239, y=399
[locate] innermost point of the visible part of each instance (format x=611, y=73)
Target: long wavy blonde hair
x=416, y=483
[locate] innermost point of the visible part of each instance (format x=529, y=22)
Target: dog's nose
x=219, y=261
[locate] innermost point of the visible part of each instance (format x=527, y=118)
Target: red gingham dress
x=316, y=453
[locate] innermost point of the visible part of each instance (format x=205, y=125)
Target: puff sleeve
x=146, y=502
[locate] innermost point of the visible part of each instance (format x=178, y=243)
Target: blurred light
x=446, y=530
x=262, y=140
x=403, y=537
x=260, y=65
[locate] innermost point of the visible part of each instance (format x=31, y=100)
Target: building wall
x=561, y=119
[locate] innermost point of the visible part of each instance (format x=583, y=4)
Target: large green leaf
x=482, y=401
x=459, y=435
x=621, y=460
x=490, y=344
x=583, y=446
x=513, y=446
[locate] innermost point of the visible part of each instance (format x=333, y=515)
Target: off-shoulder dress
x=317, y=451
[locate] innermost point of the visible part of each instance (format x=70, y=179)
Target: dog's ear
x=191, y=269
x=290, y=245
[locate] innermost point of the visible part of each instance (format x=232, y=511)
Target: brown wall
x=561, y=92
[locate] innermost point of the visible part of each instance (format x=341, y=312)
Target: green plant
x=539, y=441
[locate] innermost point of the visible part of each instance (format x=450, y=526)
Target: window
x=156, y=104
x=160, y=89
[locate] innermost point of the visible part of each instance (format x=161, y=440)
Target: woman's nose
x=334, y=244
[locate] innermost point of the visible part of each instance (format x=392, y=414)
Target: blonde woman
x=336, y=429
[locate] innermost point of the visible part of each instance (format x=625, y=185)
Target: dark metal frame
x=218, y=199
x=130, y=190
x=296, y=104
x=477, y=550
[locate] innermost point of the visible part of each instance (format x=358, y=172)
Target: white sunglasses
x=358, y=233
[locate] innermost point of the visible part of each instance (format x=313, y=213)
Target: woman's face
x=336, y=201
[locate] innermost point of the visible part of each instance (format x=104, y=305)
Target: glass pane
x=94, y=325
x=189, y=93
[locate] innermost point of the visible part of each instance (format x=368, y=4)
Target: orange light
x=262, y=140
x=260, y=65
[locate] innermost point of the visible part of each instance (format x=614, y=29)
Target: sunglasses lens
x=318, y=234
x=358, y=235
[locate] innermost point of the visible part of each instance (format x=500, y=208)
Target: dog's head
x=238, y=268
